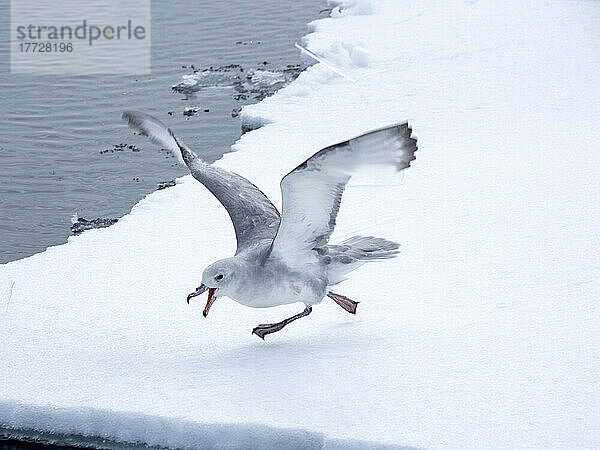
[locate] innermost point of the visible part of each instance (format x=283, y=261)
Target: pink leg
x=344, y=302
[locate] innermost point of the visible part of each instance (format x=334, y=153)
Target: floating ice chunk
x=267, y=77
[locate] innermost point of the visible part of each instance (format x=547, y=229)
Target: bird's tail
x=369, y=248
x=354, y=252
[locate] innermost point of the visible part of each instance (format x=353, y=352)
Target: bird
x=284, y=258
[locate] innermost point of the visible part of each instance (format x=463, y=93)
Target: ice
x=267, y=77
x=483, y=333
x=255, y=82
x=93, y=428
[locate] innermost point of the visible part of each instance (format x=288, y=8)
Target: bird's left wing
x=312, y=192
x=255, y=219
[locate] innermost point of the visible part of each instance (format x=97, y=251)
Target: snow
x=483, y=333
x=75, y=426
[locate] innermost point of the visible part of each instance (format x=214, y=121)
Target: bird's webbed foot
x=344, y=302
x=267, y=328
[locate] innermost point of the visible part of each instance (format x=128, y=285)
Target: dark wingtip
x=130, y=116
x=126, y=115
x=410, y=145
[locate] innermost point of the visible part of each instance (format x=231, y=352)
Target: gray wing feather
x=312, y=193
x=255, y=219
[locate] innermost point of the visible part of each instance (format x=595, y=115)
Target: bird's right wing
x=312, y=192
x=254, y=217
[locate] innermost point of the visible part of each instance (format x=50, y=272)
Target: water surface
x=61, y=137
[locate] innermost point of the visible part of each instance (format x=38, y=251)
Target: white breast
x=280, y=287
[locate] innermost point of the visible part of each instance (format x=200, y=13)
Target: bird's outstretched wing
x=254, y=217
x=312, y=192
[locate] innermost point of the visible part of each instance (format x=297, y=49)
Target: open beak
x=211, y=297
x=199, y=290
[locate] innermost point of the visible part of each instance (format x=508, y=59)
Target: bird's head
x=218, y=279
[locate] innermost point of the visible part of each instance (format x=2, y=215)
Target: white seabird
x=286, y=258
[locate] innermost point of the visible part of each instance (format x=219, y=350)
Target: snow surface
x=484, y=333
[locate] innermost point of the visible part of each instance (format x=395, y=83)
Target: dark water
x=14, y=444
x=61, y=137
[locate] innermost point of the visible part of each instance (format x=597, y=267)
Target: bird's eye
x=219, y=277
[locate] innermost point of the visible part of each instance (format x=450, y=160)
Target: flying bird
x=286, y=258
